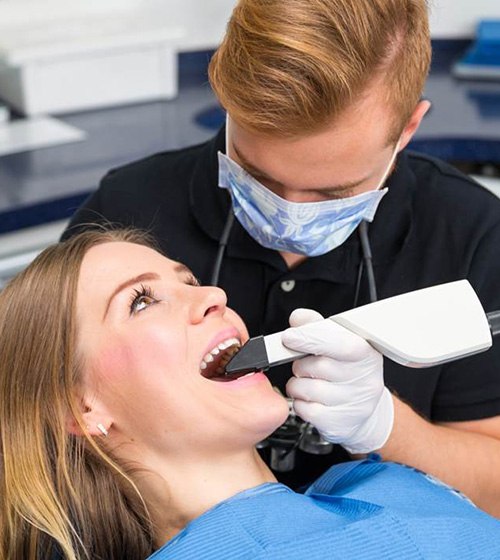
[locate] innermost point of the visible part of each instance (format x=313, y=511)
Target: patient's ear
x=95, y=418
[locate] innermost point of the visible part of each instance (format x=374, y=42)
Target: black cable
x=297, y=442
x=214, y=280
x=358, y=284
x=494, y=322
x=367, y=258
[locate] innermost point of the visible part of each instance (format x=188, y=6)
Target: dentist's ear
x=414, y=123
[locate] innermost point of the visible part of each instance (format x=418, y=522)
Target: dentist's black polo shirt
x=434, y=225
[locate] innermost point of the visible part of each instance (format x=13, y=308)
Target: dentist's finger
x=327, y=338
x=302, y=316
x=327, y=393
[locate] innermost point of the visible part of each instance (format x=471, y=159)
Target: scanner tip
x=252, y=356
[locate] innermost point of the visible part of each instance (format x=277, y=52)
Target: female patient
x=120, y=440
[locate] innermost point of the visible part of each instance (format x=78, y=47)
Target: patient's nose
x=206, y=300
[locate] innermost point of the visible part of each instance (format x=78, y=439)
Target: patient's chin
x=244, y=418
x=275, y=414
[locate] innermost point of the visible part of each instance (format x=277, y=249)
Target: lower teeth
x=232, y=377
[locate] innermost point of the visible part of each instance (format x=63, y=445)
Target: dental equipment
x=417, y=329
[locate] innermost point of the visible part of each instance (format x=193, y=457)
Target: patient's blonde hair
x=290, y=67
x=59, y=493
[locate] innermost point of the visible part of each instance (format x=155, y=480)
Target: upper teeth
x=210, y=356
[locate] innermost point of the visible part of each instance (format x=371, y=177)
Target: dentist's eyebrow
x=146, y=276
x=259, y=174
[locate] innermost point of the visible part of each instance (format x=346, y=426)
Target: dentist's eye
x=142, y=299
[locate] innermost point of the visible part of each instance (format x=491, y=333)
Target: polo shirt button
x=288, y=285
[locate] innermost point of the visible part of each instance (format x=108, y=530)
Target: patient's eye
x=191, y=280
x=142, y=299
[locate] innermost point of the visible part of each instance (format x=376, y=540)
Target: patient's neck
x=188, y=489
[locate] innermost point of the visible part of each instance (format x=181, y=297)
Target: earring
x=102, y=429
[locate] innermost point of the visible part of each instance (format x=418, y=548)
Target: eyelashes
x=145, y=297
x=141, y=299
x=191, y=280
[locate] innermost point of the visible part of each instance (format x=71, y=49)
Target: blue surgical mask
x=305, y=228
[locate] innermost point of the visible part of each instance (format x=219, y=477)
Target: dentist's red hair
x=290, y=67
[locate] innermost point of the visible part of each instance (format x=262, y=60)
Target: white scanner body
x=417, y=329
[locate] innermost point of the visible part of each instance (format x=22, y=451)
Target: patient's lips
x=214, y=362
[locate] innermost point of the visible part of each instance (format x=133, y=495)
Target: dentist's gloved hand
x=340, y=388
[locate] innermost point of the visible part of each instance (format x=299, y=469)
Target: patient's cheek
x=113, y=362
x=137, y=360
x=237, y=321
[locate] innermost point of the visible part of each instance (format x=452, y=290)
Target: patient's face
x=145, y=330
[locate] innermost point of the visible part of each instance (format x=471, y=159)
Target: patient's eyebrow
x=146, y=276
x=182, y=269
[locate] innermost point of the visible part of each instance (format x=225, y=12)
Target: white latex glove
x=340, y=388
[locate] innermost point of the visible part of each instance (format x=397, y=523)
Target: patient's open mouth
x=214, y=362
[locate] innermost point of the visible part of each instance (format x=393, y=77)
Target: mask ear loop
x=227, y=134
x=389, y=167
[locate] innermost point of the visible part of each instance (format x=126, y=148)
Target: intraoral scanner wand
x=418, y=329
